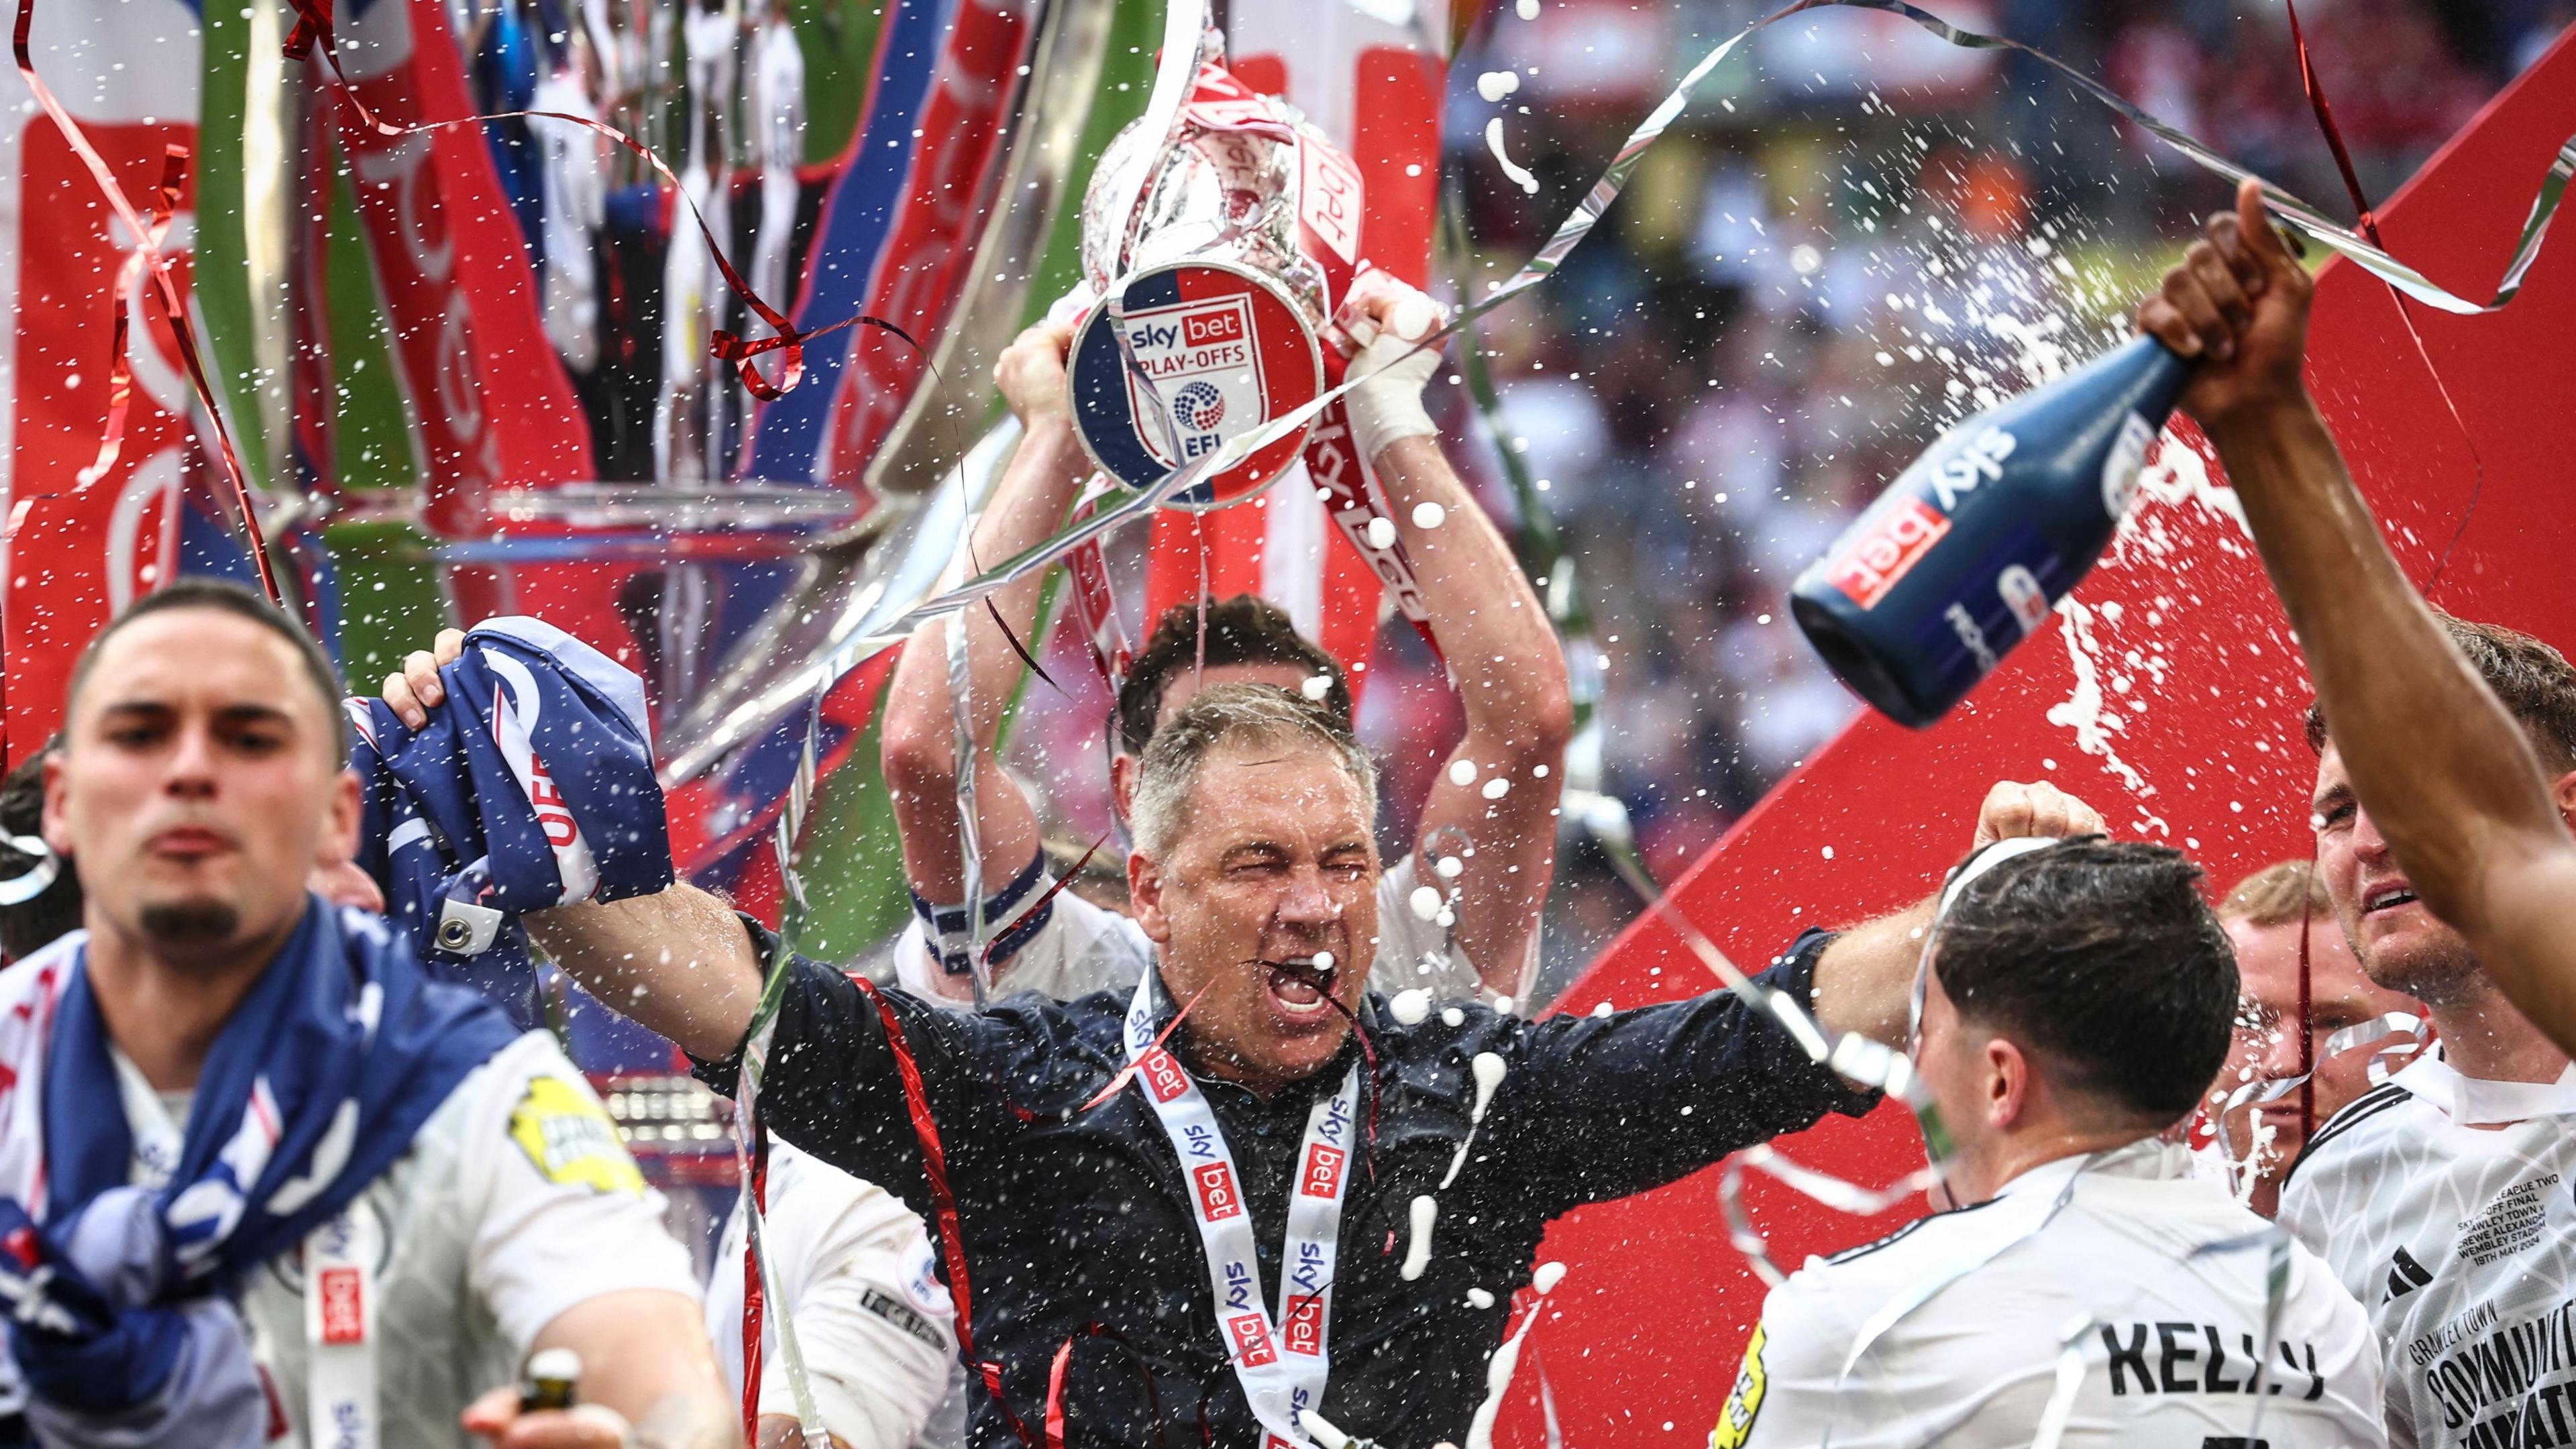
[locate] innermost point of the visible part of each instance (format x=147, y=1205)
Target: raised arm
x=1665, y=1090
x=920, y=724
x=678, y=961
x=2447, y=776
x=1501, y=649
x=1865, y=978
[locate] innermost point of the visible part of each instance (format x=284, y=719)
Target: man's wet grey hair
x=1234, y=716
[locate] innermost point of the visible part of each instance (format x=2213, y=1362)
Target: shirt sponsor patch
x=902, y=1317
x=344, y=1306
x=1735, y=1421
x=570, y=1139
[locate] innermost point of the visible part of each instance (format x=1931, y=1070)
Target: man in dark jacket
x=1250, y=1189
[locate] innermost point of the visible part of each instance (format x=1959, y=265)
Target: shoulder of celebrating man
x=1027, y=1041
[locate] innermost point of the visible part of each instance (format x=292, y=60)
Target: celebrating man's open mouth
x=1302, y=986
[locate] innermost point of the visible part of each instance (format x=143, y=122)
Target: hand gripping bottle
x=1964, y=554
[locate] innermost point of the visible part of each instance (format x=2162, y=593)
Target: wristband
x=1386, y=406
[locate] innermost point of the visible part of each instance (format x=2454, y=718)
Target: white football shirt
x=1954, y=1330
x=2442, y=1202
x=1083, y=948
x=516, y=1202
x=875, y=1325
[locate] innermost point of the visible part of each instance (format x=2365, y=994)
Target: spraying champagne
x=1967, y=551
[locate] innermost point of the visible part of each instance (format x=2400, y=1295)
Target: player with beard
x=2446, y=765
x=262, y=1180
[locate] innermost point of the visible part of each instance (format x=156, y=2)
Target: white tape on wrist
x=1386, y=407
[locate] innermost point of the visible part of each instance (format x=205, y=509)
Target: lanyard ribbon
x=1281, y=1363
x=341, y=1330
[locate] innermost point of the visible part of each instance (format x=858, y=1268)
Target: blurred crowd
x=1858, y=236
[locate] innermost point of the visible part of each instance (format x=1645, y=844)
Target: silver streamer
x=32, y=882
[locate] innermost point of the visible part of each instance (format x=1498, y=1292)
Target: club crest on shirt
x=570, y=1139
x=921, y=1279
x=1735, y=1422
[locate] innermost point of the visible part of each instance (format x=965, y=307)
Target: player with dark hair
x=264, y=1179
x=2076, y=998
x=1458, y=912
x=2446, y=772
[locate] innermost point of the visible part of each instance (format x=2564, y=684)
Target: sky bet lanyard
x=1282, y=1364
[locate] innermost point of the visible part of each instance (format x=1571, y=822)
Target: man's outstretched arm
x=2446, y=774
x=1865, y=978
x=678, y=961
x=1502, y=653
x=919, y=750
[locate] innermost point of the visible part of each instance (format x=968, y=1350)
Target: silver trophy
x=1216, y=244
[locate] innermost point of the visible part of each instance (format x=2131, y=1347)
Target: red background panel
x=1650, y=1322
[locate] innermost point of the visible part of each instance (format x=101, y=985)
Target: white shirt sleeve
x=875, y=1328
x=558, y=1212
x=1786, y=1391
x=1414, y=950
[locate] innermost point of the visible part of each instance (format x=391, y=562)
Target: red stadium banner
x=2171, y=699
x=81, y=554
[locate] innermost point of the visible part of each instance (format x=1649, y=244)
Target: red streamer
x=1040, y=903
x=120, y=372
x=755, y=1300
x=934, y=1170
x=2369, y=223
x=313, y=31
x=165, y=292
x=1055, y=1393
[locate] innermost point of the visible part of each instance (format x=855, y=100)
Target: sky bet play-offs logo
x=1217, y=349
x=1201, y=355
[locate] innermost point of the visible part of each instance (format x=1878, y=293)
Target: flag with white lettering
x=531, y=786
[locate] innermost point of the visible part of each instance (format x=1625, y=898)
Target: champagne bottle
x=1967, y=551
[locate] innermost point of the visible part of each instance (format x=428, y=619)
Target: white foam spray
x=1498, y=1369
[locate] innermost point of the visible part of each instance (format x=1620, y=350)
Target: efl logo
x=1163, y=1076
x=1251, y=1339
x=1198, y=329
x=2023, y=595
x=1304, y=1329
x=1323, y=1172
x=1217, y=1200
x=1872, y=565
x=344, y=1313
